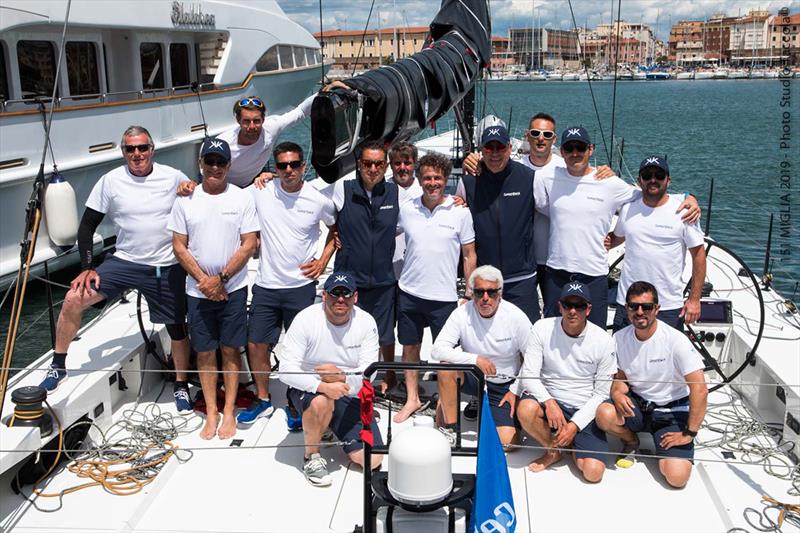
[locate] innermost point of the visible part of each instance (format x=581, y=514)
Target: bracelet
x=689, y=432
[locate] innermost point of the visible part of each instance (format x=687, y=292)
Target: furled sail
x=394, y=102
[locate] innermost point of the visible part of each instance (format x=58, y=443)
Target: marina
x=148, y=469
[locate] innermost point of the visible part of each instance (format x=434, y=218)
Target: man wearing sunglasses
x=289, y=215
x=489, y=332
x=659, y=388
x=337, y=341
x=436, y=232
x=569, y=364
x=252, y=139
x=656, y=241
x=214, y=233
x=138, y=198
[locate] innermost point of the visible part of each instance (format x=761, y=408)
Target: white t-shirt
x=656, y=240
x=139, y=207
x=248, y=160
x=580, y=211
x=502, y=338
x=289, y=232
x=214, y=224
x=312, y=341
x=541, y=223
x=433, y=243
x=412, y=192
x=666, y=356
x=587, y=361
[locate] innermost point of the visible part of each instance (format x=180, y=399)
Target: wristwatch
x=223, y=277
x=687, y=431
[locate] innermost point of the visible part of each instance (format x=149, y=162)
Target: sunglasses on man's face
x=646, y=307
x=340, y=292
x=478, y=293
x=575, y=147
x=580, y=306
x=286, y=164
x=544, y=133
x=652, y=175
x=214, y=162
x=130, y=148
x=369, y=163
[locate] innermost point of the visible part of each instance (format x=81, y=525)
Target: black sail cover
x=394, y=102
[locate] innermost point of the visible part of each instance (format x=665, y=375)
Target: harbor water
x=744, y=134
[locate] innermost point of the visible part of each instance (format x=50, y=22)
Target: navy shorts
x=496, y=391
x=214, y=324
x=524, y=295
x=650, y=418
x=274, y=309
x=346, y=420
x=670, y=317
x=415, y=314
x=164, y=287
x=590, y=442
x=379, y=302
x=598, y=289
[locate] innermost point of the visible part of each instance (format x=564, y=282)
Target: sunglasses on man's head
x=286, y=164
x=211, y=161
x=580, y=306
x=478, y=293
x=130, y=148
x=653, y=174
x=644, y=306
x=340, y=292
x=575, y=147
x=377, y=163
x=544, y=133
x=251, y=101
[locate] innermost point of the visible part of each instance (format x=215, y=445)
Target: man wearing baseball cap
x=656, y=241
x=501, y=201
x=214, y=233
x=337, y=340
x=568, y=366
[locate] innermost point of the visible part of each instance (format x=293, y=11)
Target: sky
x=660, y=14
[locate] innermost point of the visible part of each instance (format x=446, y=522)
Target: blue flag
x=493, y=505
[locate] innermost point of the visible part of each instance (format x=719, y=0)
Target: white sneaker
x=450, y=433
x=315, y=471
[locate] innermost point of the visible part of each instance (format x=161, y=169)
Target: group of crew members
x=540, y=224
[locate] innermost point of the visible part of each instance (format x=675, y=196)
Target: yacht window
x=152, y=65
x=317, y=56
x=310, y=56
x=37, y=67
x=299, y=56
x=285, y=53
x=179, y=64
x=268, y=61
x=3, y=74
x=82, y=72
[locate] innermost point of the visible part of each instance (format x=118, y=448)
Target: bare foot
x=408, y=409
x=210, y=428
x=228, y=428
x=537, y=465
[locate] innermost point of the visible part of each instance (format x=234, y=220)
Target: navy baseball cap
x=578, y=134
x=658, y=161
x=217, y=147
x=575, y=288
x=495, y=133
x=340, y=279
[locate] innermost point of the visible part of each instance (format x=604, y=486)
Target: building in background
x=544, y=48
x=783, y=42
x=361, y=51
x=501, y=55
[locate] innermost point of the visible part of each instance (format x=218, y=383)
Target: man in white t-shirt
x=436, y=232
x=568, y=367
x=403, y=161
x=214, y=233
x=138, y=198
x=489, y=332
x=659, y=388
x=252, y=139
x=289, y=213
x=338, y=341
x=656, y=241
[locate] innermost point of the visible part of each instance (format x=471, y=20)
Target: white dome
x=419, y=464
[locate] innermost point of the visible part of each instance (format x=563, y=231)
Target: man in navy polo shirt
x=656, y=241
x=501, y=201
x=214, y=234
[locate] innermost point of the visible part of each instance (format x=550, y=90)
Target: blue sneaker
x=293, y=420
x=256, y=411
x=182, y=401
x=55, y=375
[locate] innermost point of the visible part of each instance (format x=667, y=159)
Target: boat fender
x=61, y=212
